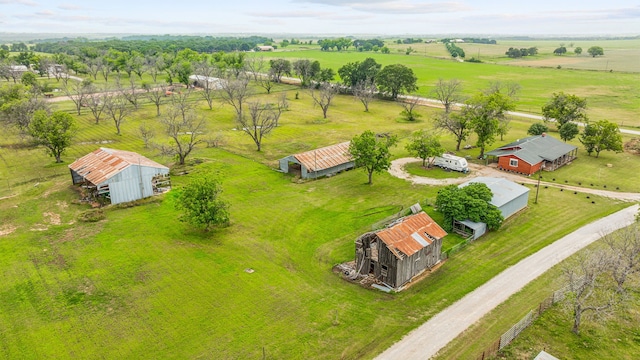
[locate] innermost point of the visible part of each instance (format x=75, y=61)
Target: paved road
x=397, y=170
x=429, y=338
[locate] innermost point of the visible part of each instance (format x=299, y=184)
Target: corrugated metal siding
x=515, y=205
x=104, y=163
x=125, y=186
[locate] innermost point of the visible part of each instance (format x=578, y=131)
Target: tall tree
x=425, y=146
x=18, y=106
x=157, y=94
x=185, y=128
x=78, y=92
x=54, y=131
x=323, y=96
x=306, y=70
x=469, y=202
x=235, y=93
x=96, y=102
x=201, y=203
x=565, y=108
x=484, y=113
x=601, y=135
x=261, y=120
x=595, y=51
x=448, y=93
x=355, y=73
x=457, y=124
x=371, y=152
x=279, y=68
x=365, y=91
x=396, y=79
x=118, y=109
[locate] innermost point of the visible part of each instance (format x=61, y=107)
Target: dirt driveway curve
x=397, y=170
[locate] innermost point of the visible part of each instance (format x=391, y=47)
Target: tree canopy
x=371, y=152
x=595, y=51
x=484, y=113
x=601, y=135
x=54, y=131
x=424, y=145
x=396, y=79
x=201, y=203
x=565, y=108
x=357, y=72
x=470, y=202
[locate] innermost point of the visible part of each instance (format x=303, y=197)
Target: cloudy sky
x=344, y=17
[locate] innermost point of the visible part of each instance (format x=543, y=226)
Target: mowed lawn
x=610, y=95
x=142, y=284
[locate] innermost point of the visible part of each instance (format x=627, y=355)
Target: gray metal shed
x=469, y=228
x=508, y=196
x=319, y=162
x=120, y=176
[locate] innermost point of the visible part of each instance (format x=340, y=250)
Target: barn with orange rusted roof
x=320, y=162
x=403, y=250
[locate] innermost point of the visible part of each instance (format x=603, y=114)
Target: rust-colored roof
x=326, y=157
x=408, y=235
x=104, y=163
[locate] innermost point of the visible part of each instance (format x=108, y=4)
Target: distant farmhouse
x=508, y=197
x=397, y=254
x=265, y=48
x=316, y=163
x=528, y=155
x=119, y=176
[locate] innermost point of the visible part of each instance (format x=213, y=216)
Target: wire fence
x=506, y=338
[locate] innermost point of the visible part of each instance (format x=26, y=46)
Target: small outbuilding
x=508, y=196
x=400, y=252
x=316, y=163
x=119, y=176
x=528, y=155
x=265, y=48
x=207, y=82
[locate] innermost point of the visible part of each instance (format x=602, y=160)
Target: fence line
x=524, y=323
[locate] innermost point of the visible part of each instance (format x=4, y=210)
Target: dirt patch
x=633, y=146
x=7, y=229
x=39, y=227
x=62, y=204
x=54, y=219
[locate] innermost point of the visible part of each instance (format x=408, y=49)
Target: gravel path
x=397, y=170
x=430, y=337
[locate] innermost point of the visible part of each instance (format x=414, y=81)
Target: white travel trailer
x=457, y=163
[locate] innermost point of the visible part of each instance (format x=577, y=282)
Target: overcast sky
x=344, y=17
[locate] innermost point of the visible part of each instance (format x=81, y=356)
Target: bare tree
x=154, y=65
x=118, y=108
x=624, y=255
x=180, y=102
x=208, y=79
x=448, y=93
x=157, y=93
x=456, y=124
x=185, y=129
x=365, y=91
x=262, y=119
x=409, y=104
x=266, y=82
x=96, y=102
x=235, y=92
x=131, y=92
x=146, y=133
x=256, y=66
x=323, y=96
x=509, y=88
x=78, y=92
x=588, y=287
x=93, y=66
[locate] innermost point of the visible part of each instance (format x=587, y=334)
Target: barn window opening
x=384, y=270
x=513, y=162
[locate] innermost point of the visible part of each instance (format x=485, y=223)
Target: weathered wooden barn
x=321, y=162
x=401, y=251
x=508, y=196
x=528, y=155
x=119, y=176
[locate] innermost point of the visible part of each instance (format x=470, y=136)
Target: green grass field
x=610, y=95
x=143, y=284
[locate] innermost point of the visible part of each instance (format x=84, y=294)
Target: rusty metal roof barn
x=119, y=175
x=320, y=162
x=411, y=234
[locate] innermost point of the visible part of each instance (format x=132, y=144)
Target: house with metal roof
x=508, y=196
x=528, y=155
x=119, y=176
x=207, y=82
x=320, y=162
x=403, y=250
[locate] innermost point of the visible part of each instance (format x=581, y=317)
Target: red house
x=526, y=156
